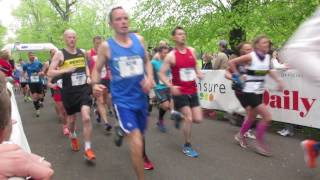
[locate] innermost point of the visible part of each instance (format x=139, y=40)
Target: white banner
x=298, y=103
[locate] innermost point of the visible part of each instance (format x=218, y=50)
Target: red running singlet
x=184, y=72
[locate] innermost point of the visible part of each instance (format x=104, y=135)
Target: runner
x=182, y=61
x=304, y=44
x=55, y=85
x=75, y=91
x=243, y=48
x=34, y=72
x=258, y=65
x=132, y=78
x=23, y=79
x=101, y=101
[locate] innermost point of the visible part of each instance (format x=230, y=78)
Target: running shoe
x=263, y=150
x=66, y=131
x=38, y=113
x=75, y=145
x=177, y=117
x=162, y=128
x=119, y=134
x=148, y=165
x=310, y=154
x=241, y=140
x=107, y=127
x=29, y=98
x=250, y=135
x=189, y=151
x=285, y=132
x=89, y=155
x=25, y=99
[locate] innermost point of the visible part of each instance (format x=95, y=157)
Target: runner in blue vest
x=34, y=71
x=132, y=78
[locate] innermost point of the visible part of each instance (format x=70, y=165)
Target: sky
x=7, y=20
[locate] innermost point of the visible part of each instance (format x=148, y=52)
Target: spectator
x=222, y=58
x=5, y=65
x=207, y=64
x=14, y=162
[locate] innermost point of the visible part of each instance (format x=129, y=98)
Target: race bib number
x=34, y=78
x=187, y=74
x=130, y=66
x=78, y=79
x=103, y=72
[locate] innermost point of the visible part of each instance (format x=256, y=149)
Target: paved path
x=220, y=157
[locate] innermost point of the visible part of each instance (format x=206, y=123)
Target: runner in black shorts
x=258, y=64
x=76, y=92
x=184, y=70
x=35, y=73
x=101, y=101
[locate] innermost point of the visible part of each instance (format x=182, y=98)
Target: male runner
x=132, y=78
x=75, y=91
x=184, y=70
x=23, y=79
x=34, y=72
x=105, y=80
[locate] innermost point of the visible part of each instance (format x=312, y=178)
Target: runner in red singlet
x=182, y=61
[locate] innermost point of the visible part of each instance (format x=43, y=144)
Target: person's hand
x=97, y=90
x=175, y=90
x=147, y=84
x=70, y=69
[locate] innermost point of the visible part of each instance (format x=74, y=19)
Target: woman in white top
x=258, y=66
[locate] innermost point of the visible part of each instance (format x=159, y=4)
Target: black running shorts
x=186, y=100
x=74, y=100
x=36, y=88
x=252, y=100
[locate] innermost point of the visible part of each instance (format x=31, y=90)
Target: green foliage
x=3, y=31
x=206, y=22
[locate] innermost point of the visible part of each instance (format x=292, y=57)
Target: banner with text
x=298, y=103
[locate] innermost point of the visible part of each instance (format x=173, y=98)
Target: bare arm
x=164, y=68
x=239, y=60
x=102, y=57
x=53, y=68
x=197, y=69
x=148, y=65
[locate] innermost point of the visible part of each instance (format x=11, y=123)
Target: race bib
x=59, y=83
x=103, y=72
x=187, y=74
x=34, y=78
x=23, y=79
x=130, y=66
x=78, y=79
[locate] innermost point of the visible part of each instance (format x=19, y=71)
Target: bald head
x=70, y=39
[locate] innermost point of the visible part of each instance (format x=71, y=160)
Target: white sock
x=87, y=145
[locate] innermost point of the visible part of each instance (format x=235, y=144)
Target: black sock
x=187, y=144
x=161, y=113
x=36, y=104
